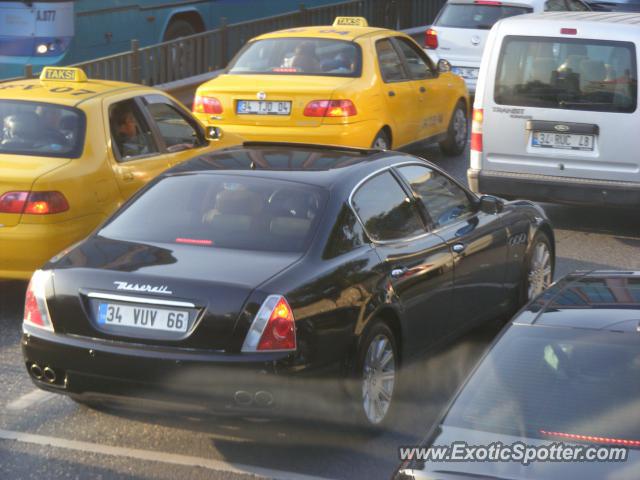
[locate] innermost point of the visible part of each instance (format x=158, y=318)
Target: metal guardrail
x=211, y=50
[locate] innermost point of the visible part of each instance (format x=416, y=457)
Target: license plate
x=565, y=141
x=263, y=107
x=150, y=318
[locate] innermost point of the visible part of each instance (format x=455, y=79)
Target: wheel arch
x=190, y=15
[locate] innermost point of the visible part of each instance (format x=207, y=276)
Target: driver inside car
x=126, y=133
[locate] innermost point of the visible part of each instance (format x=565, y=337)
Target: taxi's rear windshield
x=299, y=56
x=471, y=15
x=40, y=129
x=564, y=73
x=223, y=211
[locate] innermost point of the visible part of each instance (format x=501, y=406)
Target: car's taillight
x=476, y=130
x=204, y=104
x=593, y=439
x=330, y=108
x=33, y=203
x=273, y=328
x=431, y=39
x=568, y=31
x=36, y=313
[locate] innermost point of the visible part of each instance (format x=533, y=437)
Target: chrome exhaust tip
x=243, y=398
x=264, y=398
x=36, y=371
x=49, y=374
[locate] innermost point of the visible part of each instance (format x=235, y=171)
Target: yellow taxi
x=72, y=150
x=346, y=84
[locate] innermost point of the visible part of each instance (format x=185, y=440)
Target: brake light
x=33, y=203
x=487, y=2
x=273, y=328
x=330, y=108
x=592, y=439
x=35, y=304
x=204, y=104
x=476, y=130
x=568, y=31
x=431, y=39
x=194, y=241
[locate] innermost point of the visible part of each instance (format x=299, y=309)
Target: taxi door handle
x=422, y=89
x=127, y=176
x=392, y=93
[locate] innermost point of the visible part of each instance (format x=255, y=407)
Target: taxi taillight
x=33, y=203
x=431, y=39
x=330, y=108
x=205, y=104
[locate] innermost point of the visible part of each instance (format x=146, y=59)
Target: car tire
x=457, y=133
x=178, y=28
x=381, y=141
x=538, y=268
x=376, y=378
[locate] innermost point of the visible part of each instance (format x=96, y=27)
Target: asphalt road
x=49, y=436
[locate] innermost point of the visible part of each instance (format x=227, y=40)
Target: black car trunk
x=183, y=295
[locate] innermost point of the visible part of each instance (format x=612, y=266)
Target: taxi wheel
x=381, y=142
x=457, y=134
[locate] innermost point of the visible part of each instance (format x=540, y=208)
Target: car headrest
x=238, y=202
x=289, y=227
x=592, y=71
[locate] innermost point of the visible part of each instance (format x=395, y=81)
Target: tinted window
x=302, y=56
x=571, y=74
x=346, y=235
x=444, y=200
x=542, y=379
x=390, y=64
x=476, y=16
x=577, y=6
x=385, y=210
x=414, y=57
x=40, y=129
x=177, y=132
x=130, y=131
x=555, y=6
x=222, y=211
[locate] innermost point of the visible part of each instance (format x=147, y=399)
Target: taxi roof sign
x=350, y=22
x=63, y=74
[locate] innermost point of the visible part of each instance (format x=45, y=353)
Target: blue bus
x=66, y=32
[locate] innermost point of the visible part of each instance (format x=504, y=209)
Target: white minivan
x=555, y=114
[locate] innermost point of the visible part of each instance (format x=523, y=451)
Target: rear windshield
x=538, y=380
x=301, y=56
x=476, y=16
x=223, y=211
x=40, y=129
x=565, y=73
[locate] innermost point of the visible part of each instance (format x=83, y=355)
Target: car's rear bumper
x=359, y=134
x=553, y=189
x=27, y=246
x=209, y=380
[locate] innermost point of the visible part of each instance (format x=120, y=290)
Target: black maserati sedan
x=557, y=395
x=236, y=280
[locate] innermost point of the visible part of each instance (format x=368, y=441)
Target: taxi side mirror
x=213, y=133
x=444, y=66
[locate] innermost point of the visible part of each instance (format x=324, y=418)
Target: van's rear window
x=471, y=15
x=564, y=73
x=40, y=129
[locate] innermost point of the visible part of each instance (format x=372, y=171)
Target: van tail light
x=568, y=31
x=431, y=39
x=36, y=313
x=273, y=328
x=476, y=130
x=204, y=104
x=330, y=108
x=33, y=203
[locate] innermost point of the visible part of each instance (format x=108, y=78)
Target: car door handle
x=392, y=93
x=127, y=176
x=458, y=247
x=422, y=89
x=398, y=272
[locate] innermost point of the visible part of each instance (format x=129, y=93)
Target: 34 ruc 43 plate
x=566, y=141
x=137, y=316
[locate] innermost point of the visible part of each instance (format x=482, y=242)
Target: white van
x=460, y=31
x=555, y=114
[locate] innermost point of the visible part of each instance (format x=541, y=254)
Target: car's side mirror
x=213, y=133
x=444, y=66
x=490, y=204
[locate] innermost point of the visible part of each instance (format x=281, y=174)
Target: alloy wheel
x=378, y=379
x=540, y=271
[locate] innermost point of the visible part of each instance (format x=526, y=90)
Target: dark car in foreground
x=565, y=371
x=236, y=279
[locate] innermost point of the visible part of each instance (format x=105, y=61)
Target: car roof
x=595, y=300
x=348, y=33
x=568, y=19
x=318, y=165
x=60, y=92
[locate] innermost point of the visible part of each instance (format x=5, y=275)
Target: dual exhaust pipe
x=261, y=398
x=46, y=374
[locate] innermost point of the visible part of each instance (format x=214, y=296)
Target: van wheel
x=457, y=133
x=381, y=142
